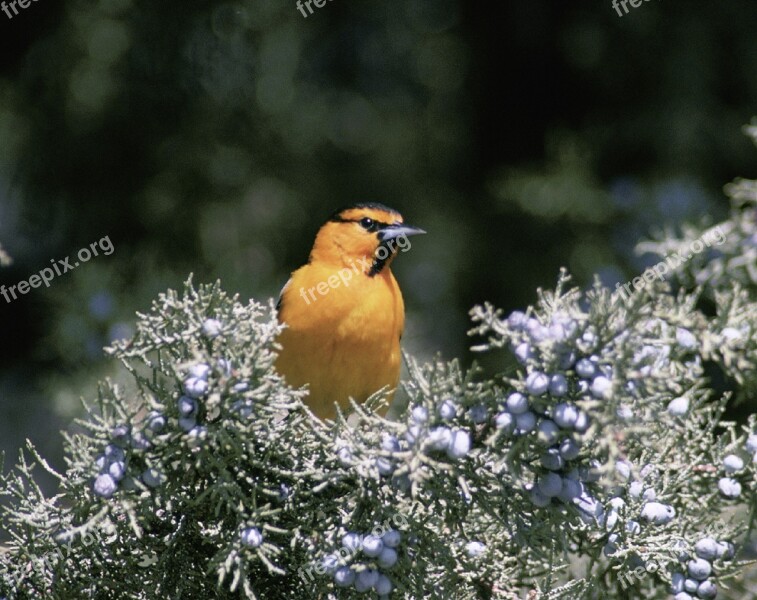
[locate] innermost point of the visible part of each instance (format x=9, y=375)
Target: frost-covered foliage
x=600, y=468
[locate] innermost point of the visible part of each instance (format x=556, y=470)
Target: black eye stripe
x=375, y=227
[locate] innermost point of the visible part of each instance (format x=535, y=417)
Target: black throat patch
x=379, y=263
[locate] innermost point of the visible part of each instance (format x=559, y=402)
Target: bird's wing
x=280, y=301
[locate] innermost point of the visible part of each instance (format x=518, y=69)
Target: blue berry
x=685, y=338
x=187, y=406
x=623, y=468
x=552, y=460
x=707, y=548
x=549, y=484
x=156, y=422
x=200, y=371
x=682, y=596
x=677, y=580
x=517, y=320
x=751, y=443
x=475, y=549
x=114, y=453
x=548, y=432
x=353, y=542
x=679, y=407
x=344, y=577
x=536, y=331
x=385, y=466
x=523, y=352
x=649, y=495
x=251, y=537
x=537, y=383
x=516, y=403
x=392, y=538
x=372, y=546
x=390, y=443
x=187, y=423
x=588, y=506
x=526, y=422
x=569, y=449
x=647, y=470
x=565, y=415
x=707, y=589
x=691, y=585
x=211, y=328
x=633, y=527
x=601, y=387
x=194, y=387
x=730, y=488
x=101, y=462
x=447, y=410
x=732, y=463
x=460, y=444
x=571, y=489
x=439, y=438
x=635, y=489
x=413, y=434
x=383, y=585
x=699, y=569
x=388, y=558
x=731, y=334
x=105, y=486
x=419, y=414
x=585, y=368
x=582, y=422
x=657, y=513
x=681, y=550
x=726, y=550
x=117, y=470
x=558, y=385
x=504, y=420
x=121, y=435
x=366, y=579
x=539, y=499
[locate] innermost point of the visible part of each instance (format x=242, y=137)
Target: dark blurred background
x=215, y=138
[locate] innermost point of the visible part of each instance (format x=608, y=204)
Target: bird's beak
x=396, y=230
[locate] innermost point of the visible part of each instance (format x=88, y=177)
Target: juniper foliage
x=602, y=467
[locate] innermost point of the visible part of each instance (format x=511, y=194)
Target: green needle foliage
x=594, y=470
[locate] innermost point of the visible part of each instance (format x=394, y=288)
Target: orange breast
x=345, y=342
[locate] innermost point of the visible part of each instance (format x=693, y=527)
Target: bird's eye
x=368, y=224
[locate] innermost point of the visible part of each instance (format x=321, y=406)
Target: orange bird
x=344, y=310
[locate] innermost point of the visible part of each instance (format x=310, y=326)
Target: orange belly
x=344, y=343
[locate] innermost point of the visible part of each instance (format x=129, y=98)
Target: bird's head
x=367, y=233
